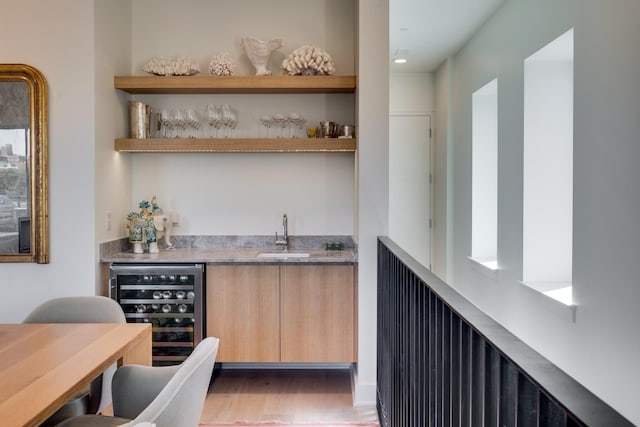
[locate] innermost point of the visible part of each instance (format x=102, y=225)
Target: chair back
x=85, y=309
x=181, y=401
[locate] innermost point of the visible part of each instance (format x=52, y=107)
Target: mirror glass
x=23, y=165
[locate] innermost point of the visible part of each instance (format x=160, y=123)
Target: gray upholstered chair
x=84, y=309
x=167, y=396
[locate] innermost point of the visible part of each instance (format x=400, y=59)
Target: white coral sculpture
x=308, y=60
x=259, y=52
x=180, y=66
x=222, y=65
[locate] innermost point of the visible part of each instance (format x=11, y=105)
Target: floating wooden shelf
x=236, y=145
x=206, y=84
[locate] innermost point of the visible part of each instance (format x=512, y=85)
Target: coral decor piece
x=222, y=65
x=180, y=66
x=259, y=53
x=308, y=61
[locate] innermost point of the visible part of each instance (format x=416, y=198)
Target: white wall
x=57, y=38
x=442, y=169
x=372, y=179
x=600, y=349
x=248, y=193
x=112, y=170
x=202, y=28
x=411, y=93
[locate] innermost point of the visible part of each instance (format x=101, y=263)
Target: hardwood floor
x=285, y=395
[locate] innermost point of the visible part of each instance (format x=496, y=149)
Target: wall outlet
x=107, y=221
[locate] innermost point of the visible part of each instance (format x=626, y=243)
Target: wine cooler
x=170, y=297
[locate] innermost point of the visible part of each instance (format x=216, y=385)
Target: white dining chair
x=167, y=396
x=82, y=309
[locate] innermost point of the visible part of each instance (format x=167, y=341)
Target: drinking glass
x=229, y=119
x=180, y=122
x=300, y=122
x=295, y=122
x=267, y=122
x=214, y=118
x=279, y=122
x=166, y=122
x=193, y=122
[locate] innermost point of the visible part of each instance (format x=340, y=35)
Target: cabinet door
x=243, y=310
x=318, y=313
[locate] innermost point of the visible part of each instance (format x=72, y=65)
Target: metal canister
x=348, y=131
x=140, y=120
x=328, y=129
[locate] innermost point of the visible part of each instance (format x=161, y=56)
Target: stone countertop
x=235, y=249
x=233, y=255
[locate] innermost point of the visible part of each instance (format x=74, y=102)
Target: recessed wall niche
x=548, y=169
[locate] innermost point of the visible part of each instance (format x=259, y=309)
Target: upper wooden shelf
x=236, y=145
x=206, y=84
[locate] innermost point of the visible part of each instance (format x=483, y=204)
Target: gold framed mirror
x=24, y=216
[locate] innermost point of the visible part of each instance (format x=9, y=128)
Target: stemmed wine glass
x=214, y=118
x=229, y=119
x=167, y=122
x=180, y=122
x=295, y=122
x=193, y=122
x=267, y=122
x=279, y=121
x=234, y=122
x=300, y=121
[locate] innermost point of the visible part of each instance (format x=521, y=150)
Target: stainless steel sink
x=283, y=255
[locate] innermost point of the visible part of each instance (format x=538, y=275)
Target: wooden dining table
x=44, y=365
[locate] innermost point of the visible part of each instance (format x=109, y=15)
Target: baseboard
x=278, y=365
x=363, y=394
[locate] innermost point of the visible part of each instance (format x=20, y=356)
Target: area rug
x=278, y=424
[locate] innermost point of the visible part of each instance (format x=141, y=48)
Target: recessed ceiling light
x=401, y=56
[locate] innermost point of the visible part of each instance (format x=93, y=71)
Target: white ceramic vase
x=259, y=53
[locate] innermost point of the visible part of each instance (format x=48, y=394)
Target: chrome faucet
x=285, y=238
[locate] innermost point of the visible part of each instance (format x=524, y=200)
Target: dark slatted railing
x=442, y=362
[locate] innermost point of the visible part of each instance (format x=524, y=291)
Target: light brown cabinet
x=243, y=310
x=282, y=313
x=317, y=313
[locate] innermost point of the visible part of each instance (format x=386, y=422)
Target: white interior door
x=409, y=184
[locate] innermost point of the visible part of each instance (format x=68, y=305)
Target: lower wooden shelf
x=236, y=145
